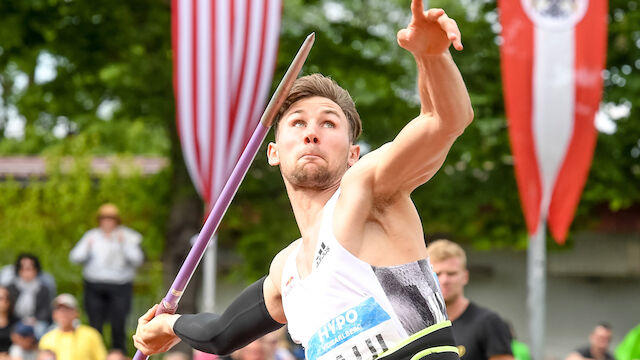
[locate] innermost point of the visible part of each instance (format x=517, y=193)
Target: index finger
x=148, y=315
x=450, y=27
x=416, y=8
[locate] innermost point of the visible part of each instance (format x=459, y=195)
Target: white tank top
x=348, y=309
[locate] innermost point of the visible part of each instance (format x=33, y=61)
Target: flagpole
x=209, y=276
x=536, y=295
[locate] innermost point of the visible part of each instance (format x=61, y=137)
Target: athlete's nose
x=311, y=137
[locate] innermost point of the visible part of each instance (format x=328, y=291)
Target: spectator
x=46, y=355
x=25, y=345
x=276, y=346
x=30, y=296
x=110, y=255
x=116, y=354
x=71, y=340
x=480, y=333
x=598, y=348
x=8, y=274
x=175, y=355
x=7, y=319
x=255, y=350
x=199, y=355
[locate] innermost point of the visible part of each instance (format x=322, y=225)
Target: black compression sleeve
x=245, y=320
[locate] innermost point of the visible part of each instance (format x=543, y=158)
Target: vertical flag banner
x=552, y=56
x=224, y=54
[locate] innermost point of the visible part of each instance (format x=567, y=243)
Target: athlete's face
x=312, y=144
x=452, y=277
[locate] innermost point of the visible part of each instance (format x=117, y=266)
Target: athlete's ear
x=465, y=277
x=354, y=155
x=272, y=154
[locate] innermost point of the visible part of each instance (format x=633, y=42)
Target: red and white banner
x=224, y=54
x=552, y=55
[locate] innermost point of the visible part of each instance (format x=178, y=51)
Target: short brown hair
x=443, y=249
x=320, y=85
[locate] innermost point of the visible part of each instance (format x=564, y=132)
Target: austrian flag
x=552, y=56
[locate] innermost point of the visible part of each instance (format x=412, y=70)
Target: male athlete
x=357, y=284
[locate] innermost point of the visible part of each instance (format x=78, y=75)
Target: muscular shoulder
x=363, y=171
x=366, y=185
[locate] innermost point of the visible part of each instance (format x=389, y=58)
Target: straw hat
x=108, y=210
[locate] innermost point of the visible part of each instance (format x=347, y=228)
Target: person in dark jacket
x=7, y=319
x=30, y=297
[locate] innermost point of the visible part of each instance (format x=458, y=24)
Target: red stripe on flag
x=590, y=56
x=194, y=94
x=245, y=47
x=174, y=44
x=516, y=55
x=232, y=37
x=214, y=105
x=258, y=77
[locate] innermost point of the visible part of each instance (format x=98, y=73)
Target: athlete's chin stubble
x=311, y=177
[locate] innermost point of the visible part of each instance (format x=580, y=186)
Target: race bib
x=362, y=332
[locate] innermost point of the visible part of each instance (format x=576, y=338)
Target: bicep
x=414, y=156
x=273, y=301
x=272, y=285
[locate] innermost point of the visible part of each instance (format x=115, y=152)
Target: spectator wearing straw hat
x=110, y=255
x=71, y=340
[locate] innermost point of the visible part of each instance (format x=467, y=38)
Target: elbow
x=215, y=347
x=465, y=118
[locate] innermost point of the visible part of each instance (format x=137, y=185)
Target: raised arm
x=421, y=147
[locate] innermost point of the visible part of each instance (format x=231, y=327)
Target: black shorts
x=434, y=342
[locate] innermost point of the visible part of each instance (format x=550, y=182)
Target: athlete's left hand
x=430, y=32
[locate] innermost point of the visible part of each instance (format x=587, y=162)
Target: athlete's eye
x=298, y=123
x=329, y=124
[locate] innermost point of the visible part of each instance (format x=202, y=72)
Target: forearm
x=245, y=320
x=443, y=92
x=133, y=254
x=80, y=253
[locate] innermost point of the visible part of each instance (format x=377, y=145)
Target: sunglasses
x=102, y=217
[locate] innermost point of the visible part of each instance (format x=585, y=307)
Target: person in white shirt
x=110, y=255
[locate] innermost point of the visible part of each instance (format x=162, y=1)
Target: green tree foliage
x=115, y=55
x=47, y=218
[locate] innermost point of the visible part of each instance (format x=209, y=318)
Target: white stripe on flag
x=249, y=82
x=553, y=103
x=222, y=98
x=183, y=85
x=268, y=64
x=203, y=75
x=239, y=9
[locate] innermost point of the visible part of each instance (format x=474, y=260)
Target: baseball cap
x=66, y=300
x=23, y=329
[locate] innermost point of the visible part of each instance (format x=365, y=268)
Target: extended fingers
x=433, y=14
x=417, y=8
x=450, y=27
x=148, y=315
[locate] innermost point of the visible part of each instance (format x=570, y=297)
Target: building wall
x=575, y=304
